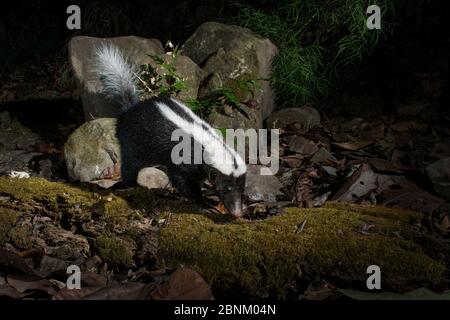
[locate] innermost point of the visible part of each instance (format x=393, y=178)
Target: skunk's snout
x=235, y=208
x=230, y=190
x=238, y=213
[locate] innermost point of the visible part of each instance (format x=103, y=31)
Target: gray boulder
x=92, y=149
x=81, y=58
x=439, y=174
x=230, y=56
x=137, y=51
x=185, y=68
x=92, y=154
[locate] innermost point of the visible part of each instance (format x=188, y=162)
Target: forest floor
x=132, y=243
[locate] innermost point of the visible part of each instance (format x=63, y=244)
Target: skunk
x=144, y=131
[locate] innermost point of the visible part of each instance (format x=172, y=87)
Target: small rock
x=261, y=187
x=306, y=118
x=301, y=145
x=152, y=178
x=439, y=174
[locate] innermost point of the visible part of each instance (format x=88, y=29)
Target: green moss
x=8, y=219
x=114, y=250
x=54, y=195
x=20, y=237
x=117, y=212
x=266, y=256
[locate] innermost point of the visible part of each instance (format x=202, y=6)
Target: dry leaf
x=183, y=284
x=353, y=145
x=301, y=145
x=11, y=260
x=24, y=283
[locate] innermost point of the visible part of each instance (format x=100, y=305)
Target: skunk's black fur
x=145, y=135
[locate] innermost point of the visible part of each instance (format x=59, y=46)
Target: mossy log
x=256, y=258
x=116, y=223
x=262, y=258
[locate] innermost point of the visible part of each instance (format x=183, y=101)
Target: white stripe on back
x=221, y=155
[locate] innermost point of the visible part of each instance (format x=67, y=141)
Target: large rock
x=92, y=154
x=137, y=50
x=191, y=73
x=81, y=57
x=231, y=55
x=91, y=149
x=439, y=174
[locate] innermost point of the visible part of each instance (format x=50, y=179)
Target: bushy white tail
x=117, y=75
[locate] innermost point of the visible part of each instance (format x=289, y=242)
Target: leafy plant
x=64, y=75
x=169, y=83
x=166, y=83
x=317, y=41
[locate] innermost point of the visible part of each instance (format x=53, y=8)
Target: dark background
x=33, y=30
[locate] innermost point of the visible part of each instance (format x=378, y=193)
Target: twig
x=301, y=227
x=143, y=82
